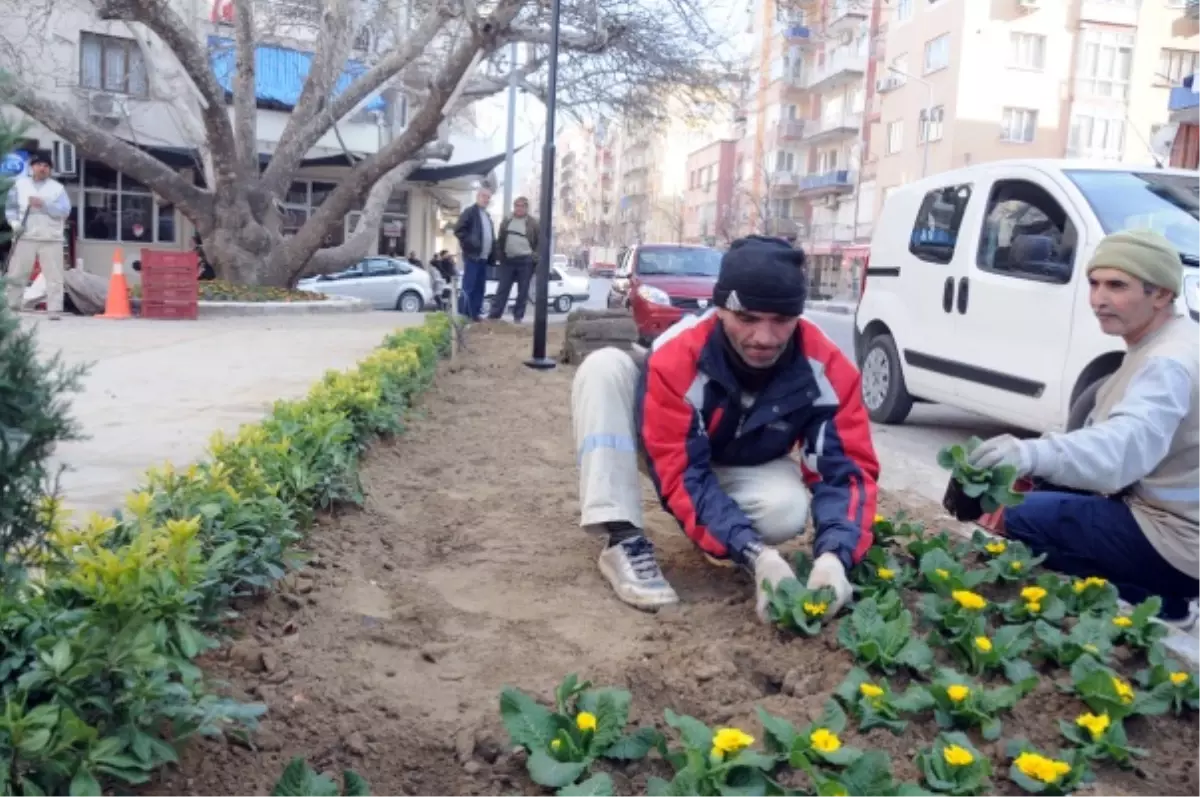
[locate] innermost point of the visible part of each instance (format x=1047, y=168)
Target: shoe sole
x=645, y=603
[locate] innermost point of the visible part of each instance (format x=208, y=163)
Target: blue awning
x=280, y=74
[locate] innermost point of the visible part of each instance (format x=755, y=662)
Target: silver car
x=387, y=283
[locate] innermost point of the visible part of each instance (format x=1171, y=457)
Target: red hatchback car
x=661, y=283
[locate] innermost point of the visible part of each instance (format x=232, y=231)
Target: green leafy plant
x=917, y=548
x=897, y=530
x=885, y=643
x=957, y=616
x=1091, y=594
x=818, y=742
x=1037, y=601
x=713, y=763
x=1166, y=677
x=869, y=775
x=299, y=780
x=1089, y=637
x=795, y=608
x=1098, y=737
x=1037, y=773
x=954, y=766
x=1010, y=560
x=1003, y=651
x=875, y=705
x=585, y=724
x=1106, y=692
x=962, y=703
x=1140, y=628
x=992, y=486
x=944, y=574
x=879, y=572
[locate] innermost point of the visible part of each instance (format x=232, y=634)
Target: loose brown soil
x=466, y=571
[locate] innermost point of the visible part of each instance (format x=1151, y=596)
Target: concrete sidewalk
x=157, y=390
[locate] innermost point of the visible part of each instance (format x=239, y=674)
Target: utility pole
x=510, y=145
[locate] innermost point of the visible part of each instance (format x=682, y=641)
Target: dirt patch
x=466, y=571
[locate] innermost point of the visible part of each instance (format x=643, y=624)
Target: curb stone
x=836, y=308
x=210, y=309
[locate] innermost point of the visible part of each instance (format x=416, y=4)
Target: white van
x=975, y=294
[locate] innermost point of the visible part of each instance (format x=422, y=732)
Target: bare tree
x=673, y=212
x=448, y=55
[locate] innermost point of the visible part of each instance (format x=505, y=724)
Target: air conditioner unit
x=890, y=83
x=105, y=109
x=64, y=158
x=1029, y=4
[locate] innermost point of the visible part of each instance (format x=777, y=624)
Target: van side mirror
x=1034, y=255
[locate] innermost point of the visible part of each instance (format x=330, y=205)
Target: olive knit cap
x=1144, y=254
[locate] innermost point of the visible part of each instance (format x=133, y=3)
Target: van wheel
x=883, y=389
x=563, y=304
x=1084, y=405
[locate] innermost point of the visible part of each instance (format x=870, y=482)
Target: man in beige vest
x=37, y=208
x=1122, y=499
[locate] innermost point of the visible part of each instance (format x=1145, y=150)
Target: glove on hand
x=828, y=571
x=16, y=227
x=769, y=568
x=1004, y=450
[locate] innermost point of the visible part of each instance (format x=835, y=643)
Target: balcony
x=789, y=130
x=828, y=129
x=846, y=15
x=783, y=178
x=794, y=78
x=842, y=67
x=835, y=182
x=1184, y=102
x=1192, y=10
x=798, y=35
x=1110, y=12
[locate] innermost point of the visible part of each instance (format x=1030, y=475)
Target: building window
x=1097, y=137
x=109, y=63
x=1175, y=65
x=1028, y=51
x=116, y=207
x=895, y=136
x=904, y=10
x=930, y=128
x=937, y=53
x=303, y=197
x=784, y=161
x=1105, y=61
x=1018, y=125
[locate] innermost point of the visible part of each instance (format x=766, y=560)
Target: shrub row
x=97, y=666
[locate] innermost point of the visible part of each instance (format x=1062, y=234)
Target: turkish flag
x=222, y=11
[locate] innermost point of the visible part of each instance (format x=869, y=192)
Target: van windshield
x=1166, y=203
x=678, y=261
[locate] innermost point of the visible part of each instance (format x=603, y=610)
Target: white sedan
x=566, y=288
x=386, y=283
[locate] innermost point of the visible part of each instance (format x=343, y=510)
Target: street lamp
x=541, y=307
x=928, y=116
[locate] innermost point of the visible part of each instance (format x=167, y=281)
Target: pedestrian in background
x=516, y=250
x=477, y=239
x=37, y=210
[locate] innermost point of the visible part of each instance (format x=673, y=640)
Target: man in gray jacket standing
x=516, y=249
x=37, y=210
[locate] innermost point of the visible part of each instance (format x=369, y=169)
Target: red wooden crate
x=181, y=294
x=169, y=269
x=170, y=310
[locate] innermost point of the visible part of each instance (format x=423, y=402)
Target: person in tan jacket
x=1122, y=494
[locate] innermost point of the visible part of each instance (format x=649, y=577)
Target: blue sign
x=14, y=163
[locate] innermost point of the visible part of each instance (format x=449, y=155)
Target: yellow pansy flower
x=1033, y=594
x=1038, y=767
x=983, y=644
x=815, y=609
x=825, y=740
x=957, y=756
x=585, y=721
x=869, y=689
x=972, y=601
x=942, y=573
x=996, y=548
x=1015, y=566
x=1096, y=724
x=1124, y=690
x=1122, y=622
x=1179, y=678
x=1033, y=607
x=957, y=692
x=731, y=740
x=885, y=573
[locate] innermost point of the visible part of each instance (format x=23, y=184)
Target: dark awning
x=440, y=174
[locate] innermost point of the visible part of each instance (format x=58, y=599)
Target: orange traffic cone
x=116, y=305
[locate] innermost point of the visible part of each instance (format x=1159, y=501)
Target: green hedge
x=98, y=648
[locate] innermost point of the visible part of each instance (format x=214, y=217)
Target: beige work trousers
x=49, y=254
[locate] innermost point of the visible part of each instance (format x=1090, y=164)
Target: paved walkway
x=158, y=390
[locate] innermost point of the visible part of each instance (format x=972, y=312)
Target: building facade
x=709, y=214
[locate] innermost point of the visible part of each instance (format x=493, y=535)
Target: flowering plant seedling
x=963, y=703
x=1099, y=737
x=993, y=487
x=1140, y=629
x=1038, y=601
x=713, y=762
x=956, y=616
x=1037, y=773
x=1091, y=637
x=793, y=607
x=920, y=546
x=880, y=571
x=818, y=742
x=300, y=780
x=944, y=574
x=1011, y=560
x=1106, y=692
x=869, y=775
x=875, y=705
x=1002, y=651
x=896, y=531
x=884, y=643
x=1166, y=677
x=586, y=724
x=954, y=766
x=1091, y=594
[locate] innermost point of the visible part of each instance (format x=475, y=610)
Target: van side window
x=935, y=231
x=1027, y=234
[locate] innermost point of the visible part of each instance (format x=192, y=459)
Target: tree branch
x=245, y=90
x=104, y=146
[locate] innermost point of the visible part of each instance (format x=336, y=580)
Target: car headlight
x=653, y=295
x=1191, y=292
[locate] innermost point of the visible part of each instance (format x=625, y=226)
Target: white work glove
x=769, y=568
x=828, y=571
x=1004, y=450
x=16, y=227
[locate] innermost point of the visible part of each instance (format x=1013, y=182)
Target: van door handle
x=948, y=294
x=963, y=295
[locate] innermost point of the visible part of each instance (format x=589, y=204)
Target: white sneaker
x=1186, y=625
x=632, y=570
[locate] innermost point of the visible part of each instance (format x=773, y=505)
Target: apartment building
x=966, y=82
x=117, y=76
x=709, y=215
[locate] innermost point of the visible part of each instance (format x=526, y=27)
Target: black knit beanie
x=762, y=274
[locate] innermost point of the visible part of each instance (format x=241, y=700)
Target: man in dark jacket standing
x=516, y=249
x=477, y=239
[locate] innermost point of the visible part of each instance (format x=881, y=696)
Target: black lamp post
x=541, y=309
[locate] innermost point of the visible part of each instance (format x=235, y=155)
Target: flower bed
x=97, y=666
x=221, y=291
